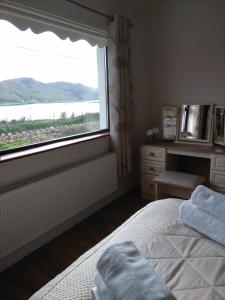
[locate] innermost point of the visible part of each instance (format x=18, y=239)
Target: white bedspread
x=191, y=265
x=78, y=279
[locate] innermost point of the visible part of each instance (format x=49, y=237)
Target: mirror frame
x=176, y=117
x=215, y=134
x=197, y=141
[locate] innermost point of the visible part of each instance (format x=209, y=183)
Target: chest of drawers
x=217, y=173
x=153, y=162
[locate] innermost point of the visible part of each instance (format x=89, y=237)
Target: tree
x=63, y=115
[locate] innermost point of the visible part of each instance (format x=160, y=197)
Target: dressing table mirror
x=196, y=123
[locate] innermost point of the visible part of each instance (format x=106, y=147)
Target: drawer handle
x=152, y=169
x=152, y=154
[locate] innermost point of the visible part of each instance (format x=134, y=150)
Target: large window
x=50, y=89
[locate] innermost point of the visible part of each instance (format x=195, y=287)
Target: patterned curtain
x=120, y=93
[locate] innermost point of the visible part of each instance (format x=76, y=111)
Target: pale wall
x=178, y=56
x=184, y=53
x=19, y=170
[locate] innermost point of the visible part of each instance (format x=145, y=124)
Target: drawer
x=153, y=153
x=218, y=162
x=151, y=167
x=217, y=179
x=147, y=184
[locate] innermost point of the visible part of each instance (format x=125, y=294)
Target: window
x=50, y=88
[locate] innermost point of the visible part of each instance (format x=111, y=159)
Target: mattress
x=154, y=225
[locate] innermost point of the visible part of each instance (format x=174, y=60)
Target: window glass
x=49, y=88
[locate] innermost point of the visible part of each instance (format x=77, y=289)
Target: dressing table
x=205, y=159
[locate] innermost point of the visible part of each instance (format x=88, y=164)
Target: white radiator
x=29, y=211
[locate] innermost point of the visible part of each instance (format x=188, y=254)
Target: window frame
x=72, y=137
x=51, y=147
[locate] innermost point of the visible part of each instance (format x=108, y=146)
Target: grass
x=13, y=144
x=22, y=125
x=26, y=125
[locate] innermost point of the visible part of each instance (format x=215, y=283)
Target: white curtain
x=120, y=93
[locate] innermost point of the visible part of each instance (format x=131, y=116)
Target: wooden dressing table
x=208, y=161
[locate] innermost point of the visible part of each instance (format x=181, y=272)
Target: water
x=47, y=110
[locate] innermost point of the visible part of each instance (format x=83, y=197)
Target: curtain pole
x=90, y=9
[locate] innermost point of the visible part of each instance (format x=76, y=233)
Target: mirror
x=219, y=127
x=195, y=123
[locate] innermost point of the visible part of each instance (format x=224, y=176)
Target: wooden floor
x=26, y=277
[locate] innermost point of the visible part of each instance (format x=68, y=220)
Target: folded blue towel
x=209, y=201
x=123, y=274
x=205, y=223
x=100, y=291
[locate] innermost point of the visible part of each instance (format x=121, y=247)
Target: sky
x=45, y=57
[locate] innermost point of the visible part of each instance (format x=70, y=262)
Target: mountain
x=28, y=91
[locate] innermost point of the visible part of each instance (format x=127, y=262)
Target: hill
x=28, y=91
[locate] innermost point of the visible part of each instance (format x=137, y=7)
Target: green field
x=15, y=126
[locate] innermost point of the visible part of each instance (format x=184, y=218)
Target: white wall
x=18, y=170
x=178, y=56
x=78, y=14
x=140, y=73
x=181, y=56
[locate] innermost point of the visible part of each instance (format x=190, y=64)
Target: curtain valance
x=38, y=21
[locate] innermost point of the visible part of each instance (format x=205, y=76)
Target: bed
x=192, y=265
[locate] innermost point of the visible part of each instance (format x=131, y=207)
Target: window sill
x=50, y=147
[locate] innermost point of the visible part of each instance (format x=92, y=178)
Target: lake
x=47, y=110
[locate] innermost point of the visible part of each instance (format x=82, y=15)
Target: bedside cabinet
x=153, y=162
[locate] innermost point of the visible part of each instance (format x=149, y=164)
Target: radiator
x=29, y=211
